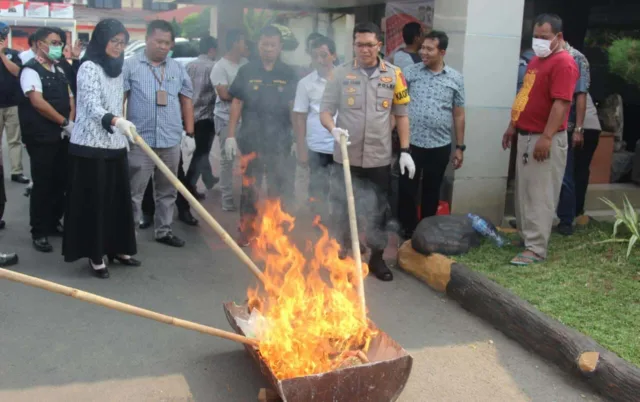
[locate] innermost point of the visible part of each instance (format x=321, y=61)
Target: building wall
x=484, y=45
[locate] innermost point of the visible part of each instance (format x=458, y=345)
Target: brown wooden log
x=574, y=352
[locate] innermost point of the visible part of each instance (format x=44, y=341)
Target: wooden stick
x=200, y=209
x=353, y=224
x=123, y=307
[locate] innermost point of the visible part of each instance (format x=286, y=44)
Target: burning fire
x=244, y=164
x=311, y=306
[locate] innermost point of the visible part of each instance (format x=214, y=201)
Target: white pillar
x=484, y=46
x=228, y=15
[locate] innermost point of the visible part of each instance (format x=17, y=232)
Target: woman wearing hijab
x=98, y=218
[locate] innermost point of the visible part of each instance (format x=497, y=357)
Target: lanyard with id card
x=162, y=98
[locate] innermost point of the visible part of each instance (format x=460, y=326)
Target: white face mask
x=542, y=47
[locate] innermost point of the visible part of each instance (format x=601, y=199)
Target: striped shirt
x=204, y=95
x=159, y=126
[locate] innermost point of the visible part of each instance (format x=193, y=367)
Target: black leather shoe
x=57, y=231
x=20, y=178
x=102, y=273
x=42, y=244
x=171, y=240
x=186, y=217
x=378, y=267
x=564, y=230
x=146, y=222
x=8, y=259
x=199, y=196
x=130, y=262
x=3, y=224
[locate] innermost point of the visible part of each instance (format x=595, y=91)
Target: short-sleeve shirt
x=159, y=126
x=549, y=79
x=365, y=104
x=267, y=98
x=308, y=100
x=10, y=94
x=433, y=98
x=404, y=59
x=584, y=78
x=223, y=73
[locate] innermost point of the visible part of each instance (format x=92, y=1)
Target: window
x=158, y=6
x=111, y=4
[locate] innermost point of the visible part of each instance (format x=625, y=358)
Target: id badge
x=162, y=98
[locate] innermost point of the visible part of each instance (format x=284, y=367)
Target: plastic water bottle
x=484, y=228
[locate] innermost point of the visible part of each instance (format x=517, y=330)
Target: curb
x=578, y=354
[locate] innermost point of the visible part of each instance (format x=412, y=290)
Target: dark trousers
x=576, y=177
x=566, y=210
x=200, y=166
x=148, y=201
x=49, y=175
x=279, y=171
x=582, y=161
x=371, y=188
x=431, y=164
x=320, y=179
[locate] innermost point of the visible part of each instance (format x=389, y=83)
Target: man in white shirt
x=31, y=52
x=222, y=76
x=314, y=144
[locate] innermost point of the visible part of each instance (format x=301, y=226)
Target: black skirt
x=99, y=217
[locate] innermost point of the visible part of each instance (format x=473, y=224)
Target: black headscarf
x=97, y=50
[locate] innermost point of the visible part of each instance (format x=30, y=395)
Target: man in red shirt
x=539, y=119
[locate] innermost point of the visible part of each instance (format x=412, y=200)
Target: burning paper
x=313, y=323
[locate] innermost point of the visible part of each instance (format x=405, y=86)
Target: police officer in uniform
x=46, y=113
x=263, y=93
x=368, y=94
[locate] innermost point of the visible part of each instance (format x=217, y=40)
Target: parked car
x=183, y=48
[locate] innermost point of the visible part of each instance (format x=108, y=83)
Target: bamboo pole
x=123, y=307
x=353, y=224
x=199, y=208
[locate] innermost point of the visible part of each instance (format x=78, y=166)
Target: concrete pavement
x=54, y=348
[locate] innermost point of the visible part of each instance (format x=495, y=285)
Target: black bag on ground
x=445, y=234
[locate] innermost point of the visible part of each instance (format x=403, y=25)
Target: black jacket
x=10, y=93
x=55, y=90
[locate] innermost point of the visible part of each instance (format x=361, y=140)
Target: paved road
x=53, y=348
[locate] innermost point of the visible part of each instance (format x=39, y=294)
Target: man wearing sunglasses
x=46, y=121
x=368, y=94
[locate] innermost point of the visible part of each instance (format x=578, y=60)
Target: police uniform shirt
x=267, y=98
x=365, y=104
x=10, y=94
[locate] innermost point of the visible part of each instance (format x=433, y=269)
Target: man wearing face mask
x=368, y=94
x=539, y=120
x=46, y=121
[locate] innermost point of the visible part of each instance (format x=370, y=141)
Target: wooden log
x=574, y=352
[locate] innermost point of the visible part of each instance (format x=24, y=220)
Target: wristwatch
x=405, y=150
x=579, y=130
x=461, y=147
x=65, y=123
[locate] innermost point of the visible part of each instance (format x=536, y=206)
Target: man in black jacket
x=10, y=96
x=46, y=115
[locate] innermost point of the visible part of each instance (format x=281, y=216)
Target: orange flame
x=244, y=163
x=312, y=307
